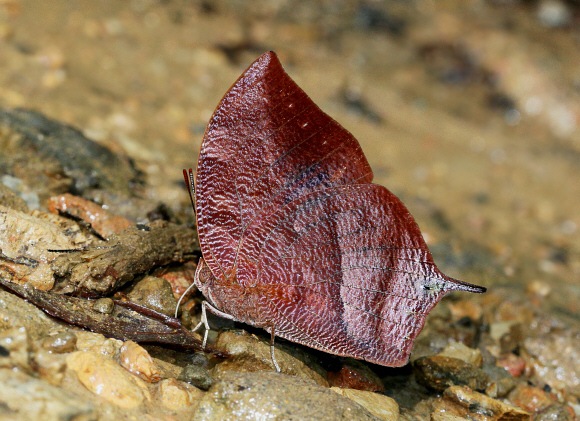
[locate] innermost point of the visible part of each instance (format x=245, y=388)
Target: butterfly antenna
x=190, y=185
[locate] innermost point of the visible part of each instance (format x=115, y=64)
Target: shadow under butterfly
x=295, y=237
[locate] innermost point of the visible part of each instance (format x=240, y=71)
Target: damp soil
x=468, y=111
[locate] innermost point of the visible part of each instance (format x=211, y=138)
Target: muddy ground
x=469, y=111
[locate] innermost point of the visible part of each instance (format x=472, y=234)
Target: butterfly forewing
x=266, y=144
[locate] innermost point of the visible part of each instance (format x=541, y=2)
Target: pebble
x=500, y=381
x=555, y=412
x=16, y=313
x=60, y=343
x=104, y=305
x=249, y=353
x=36, y=235
x=180, y=278
x=515, y=312
x=381, y=406
x=356, y=375
x=275, y=396
x=553, y=13
x=90, y=341
x=25, y=398
x=555, y=358
x=514, y=364
x=461, y=401
x=176, y=395
x=14, y=348
x=103, y=377
x=441, y=372
x=511, y=341
x=445, y=416
x=154, y=293
x=538, y=288
x=19, y=188
x=498, y=329
x=137, y=360
x=50, y=366
x=11, y=200
x=530, y=398
x=465, y=308
x=458, y=350
x=198, y=376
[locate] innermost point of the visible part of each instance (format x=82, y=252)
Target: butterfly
x=295, y=237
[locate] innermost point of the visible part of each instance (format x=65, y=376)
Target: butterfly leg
x=272, y=336
x=205, y=305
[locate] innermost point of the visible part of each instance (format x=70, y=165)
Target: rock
x=461, y=352
x=519, y=312
x=500, y=381
x=498, y=329
x=512, y=340
x=179, y=277
x=175, y=395
x=15, y=348
x=95, y=342
x=70, y=161
x=380, y=406
x=196, y=375
x=441, y=372
x=429, y=343
x=199, y=358
x=26, y=240
x=25, y=398
x=11, y=200
x=273, y=395
x=514, y=364
x=445, y=416
x=154, y=293
x=252, y=354
x=356, y=375
x=555, y=358
x=538, y=288
x=22, y=190
x=103, y=377
x=555, y=412
x=50, y=367
x=465, y=308
x=60, y=343
x=104, y=305
x=460, y=401
x=553, y=13
x=531, y=398
x=16, y=313
x=137, y=360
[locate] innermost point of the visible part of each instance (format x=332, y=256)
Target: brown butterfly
x=295, y=237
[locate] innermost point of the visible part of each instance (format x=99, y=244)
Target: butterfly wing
x=344, y=270
x=266, y=144
x=294, y=235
